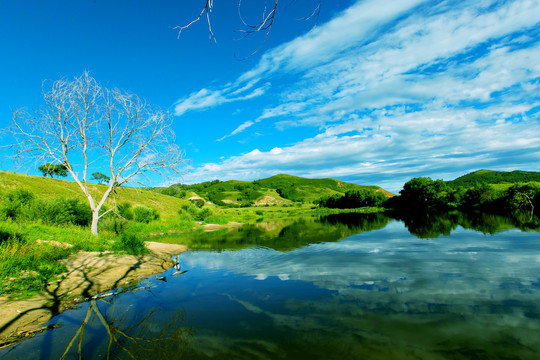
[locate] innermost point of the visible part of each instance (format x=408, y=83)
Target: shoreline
x=89, y=274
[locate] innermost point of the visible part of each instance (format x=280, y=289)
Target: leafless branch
x=207, y=9
x=264, y=25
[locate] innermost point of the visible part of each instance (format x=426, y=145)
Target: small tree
x=101, y=178
x=46, y=169
x=60, y=170
x=83, y=123
x=53, y=169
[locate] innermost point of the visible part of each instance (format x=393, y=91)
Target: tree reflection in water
x=130, y=335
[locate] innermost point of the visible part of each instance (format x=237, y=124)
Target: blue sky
x=371, y=92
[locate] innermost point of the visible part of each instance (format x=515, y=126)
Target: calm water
x=354, y=287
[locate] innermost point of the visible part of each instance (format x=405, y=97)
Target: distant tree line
x=425, y=194
x=353, y=199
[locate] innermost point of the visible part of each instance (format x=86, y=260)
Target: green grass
x=46, y=188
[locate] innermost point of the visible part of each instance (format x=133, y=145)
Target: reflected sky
x=381, y=294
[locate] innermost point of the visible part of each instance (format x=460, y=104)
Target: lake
x=323, y=287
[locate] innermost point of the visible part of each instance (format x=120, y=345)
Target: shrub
x=125, y=211
x=131, y=243
x=62, y=211
x=113, y=224
x=18, y=202
x=9, y=236
x=144, y=214
x=197, y=202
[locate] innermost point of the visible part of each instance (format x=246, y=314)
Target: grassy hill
x=494, y=178
x=276, y=190
x=50, y=188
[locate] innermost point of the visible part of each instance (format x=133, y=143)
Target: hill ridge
x=494, y=177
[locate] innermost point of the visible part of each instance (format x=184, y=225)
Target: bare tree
x=83, y=123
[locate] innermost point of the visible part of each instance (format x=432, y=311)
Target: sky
x=369, y=92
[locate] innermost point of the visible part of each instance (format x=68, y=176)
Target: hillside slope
x=49, y=188
x=279, y=189
x=494, y=177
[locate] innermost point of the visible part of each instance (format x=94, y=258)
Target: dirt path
x=89, y=274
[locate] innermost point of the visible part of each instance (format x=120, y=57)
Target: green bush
x=8, y=236
x=144, y=214
x=113, y=224
x=125, y=210
x=62, y=211
x=131, y=243
x=204, y=213
x=193, y=212
x=18, y=202
x=197, y=202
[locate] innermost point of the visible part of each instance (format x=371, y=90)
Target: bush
x=62, y=211
x=125, y=211
x=197, y=202
x=18, y=202
x=144, y=214
x=113, y=224
x=195, y=213
x=8, y=236
x=131, y=243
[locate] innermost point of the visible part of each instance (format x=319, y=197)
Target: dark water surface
x=353, y=287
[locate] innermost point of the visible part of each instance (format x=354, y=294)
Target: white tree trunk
x=95, y=219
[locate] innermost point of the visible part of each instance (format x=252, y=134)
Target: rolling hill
x=279, y=189
x=494, y=177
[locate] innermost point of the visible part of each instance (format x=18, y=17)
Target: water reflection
x=432, y=225
x=341, y=286
x=382, y=294
x=114, y=326
x=285, y=234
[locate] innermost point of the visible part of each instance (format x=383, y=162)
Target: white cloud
x=394, y=93
x=205, y=99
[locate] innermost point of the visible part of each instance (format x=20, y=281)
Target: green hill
x=494, y=177
x=49, y=188
x=279, y=190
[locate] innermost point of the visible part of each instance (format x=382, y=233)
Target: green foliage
x=9, y=234
x=113, y=224
x=197, y=202
x=125, y=210
x=53, y=169
x=523, y=196
x=17, y=202
x=286, y=187
x=27, y=267
x=423, y=193
x=101, y=178
x=131, y=243
x=479, y=196
x=216, y=220
x=62, y=211
x=195, y=213
x=144, y=214
x=353, y=199
x=21, y=204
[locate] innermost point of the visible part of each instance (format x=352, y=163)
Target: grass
x=29, y=258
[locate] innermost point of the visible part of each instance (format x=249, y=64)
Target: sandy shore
x=89, y=274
